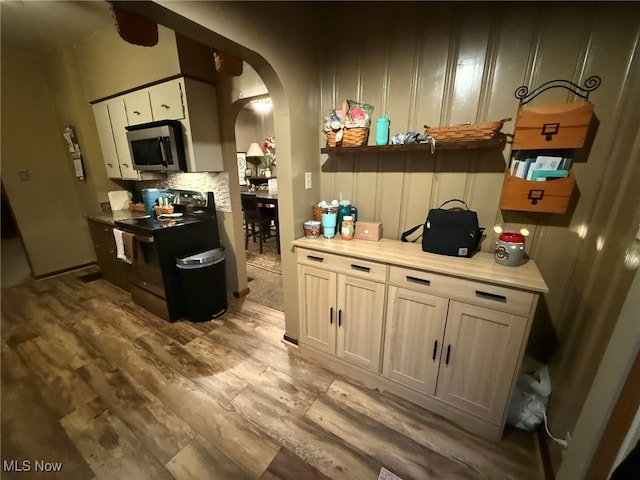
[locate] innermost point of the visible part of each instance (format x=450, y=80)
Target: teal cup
x=329, y=220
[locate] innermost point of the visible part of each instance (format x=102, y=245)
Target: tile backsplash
x=216, y=182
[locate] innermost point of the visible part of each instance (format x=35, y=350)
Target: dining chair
x=257, y=220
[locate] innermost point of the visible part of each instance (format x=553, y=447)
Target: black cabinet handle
x=340, y=317
x=331, y=316
x=422, y=281
x=435, y=349
x=491, y=296
x=448, y=353
x=360, y=267
x=315, y=259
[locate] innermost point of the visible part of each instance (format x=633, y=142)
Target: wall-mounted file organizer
x=540, y=132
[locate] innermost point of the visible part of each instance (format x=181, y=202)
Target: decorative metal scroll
x=590, y=84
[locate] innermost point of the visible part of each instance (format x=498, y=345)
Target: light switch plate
x=307, y=180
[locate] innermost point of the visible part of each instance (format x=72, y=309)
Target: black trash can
x=204, y=284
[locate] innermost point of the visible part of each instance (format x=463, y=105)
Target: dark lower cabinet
x=112, y=269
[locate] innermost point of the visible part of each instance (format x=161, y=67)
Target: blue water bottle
x=382, y=130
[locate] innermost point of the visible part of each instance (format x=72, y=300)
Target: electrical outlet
x=307, y=181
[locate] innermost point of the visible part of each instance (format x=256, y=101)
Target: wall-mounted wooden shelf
x=497, y=142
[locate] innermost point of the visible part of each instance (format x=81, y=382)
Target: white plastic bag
x=531, y=396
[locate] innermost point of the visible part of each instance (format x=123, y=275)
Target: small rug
x=268, y=260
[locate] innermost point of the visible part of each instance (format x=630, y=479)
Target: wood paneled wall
x=446, y=63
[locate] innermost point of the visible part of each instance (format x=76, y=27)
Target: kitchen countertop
x=482, y=266
x=114, y=216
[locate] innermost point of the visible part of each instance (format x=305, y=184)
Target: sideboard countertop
x=482, y=266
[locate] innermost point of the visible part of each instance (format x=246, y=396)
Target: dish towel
x=118, y=235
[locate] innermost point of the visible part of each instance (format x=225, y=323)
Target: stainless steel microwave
x=157, y=146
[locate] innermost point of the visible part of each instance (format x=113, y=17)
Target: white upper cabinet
x=107, y=143
x=201, y=127
x=138, y=107
x=191, y=102
x=111, y=119
x=167, y=100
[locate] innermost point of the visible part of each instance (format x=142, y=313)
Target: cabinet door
x=107, y=142
x=360, y=314
x=118, y=116
x=317, y=302
x=167, y=101
x=138, y=107
x=479, y=359
x=413, y=338
x=113, y=269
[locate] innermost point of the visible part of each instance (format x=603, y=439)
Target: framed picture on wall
x=242, y=166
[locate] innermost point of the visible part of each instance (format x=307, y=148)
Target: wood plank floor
x=108, y=390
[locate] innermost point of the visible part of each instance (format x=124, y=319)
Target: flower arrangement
x=269, y=148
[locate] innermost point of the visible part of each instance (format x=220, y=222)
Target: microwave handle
x=162, y=152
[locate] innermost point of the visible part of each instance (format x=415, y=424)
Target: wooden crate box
x=551, y=196
x=555, y=126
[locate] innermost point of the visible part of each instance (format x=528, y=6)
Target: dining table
x=267, y=198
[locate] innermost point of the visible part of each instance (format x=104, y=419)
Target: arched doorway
x=253, y=129
x=244, y=30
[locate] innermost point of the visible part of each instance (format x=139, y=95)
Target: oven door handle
x=144, y=239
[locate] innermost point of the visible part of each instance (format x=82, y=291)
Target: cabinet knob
x=136, y=112
x=125, y=165
x=164, y=105
x=110, y=164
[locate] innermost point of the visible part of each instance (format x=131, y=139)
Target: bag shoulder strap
x=409, y=232
x=455, y=200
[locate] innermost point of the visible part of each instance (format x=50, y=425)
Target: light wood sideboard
x=446, y=333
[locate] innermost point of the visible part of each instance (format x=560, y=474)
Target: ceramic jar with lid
x=510, y=249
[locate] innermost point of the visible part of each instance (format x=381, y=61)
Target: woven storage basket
x=135, y=28
x=227, y=65
x=466, y=132
x=331, y=139
x=317, y=214
x=351, y=137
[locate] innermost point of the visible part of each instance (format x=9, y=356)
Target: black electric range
x=151, y=224
x=154, y=277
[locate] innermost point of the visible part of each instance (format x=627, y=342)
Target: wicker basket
x=227, y=65
x=135, y=28
x=137, y=207
x=317, y=214
x=466, y=132
x=331, y=139
x=351, y=137
x=163, y=210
